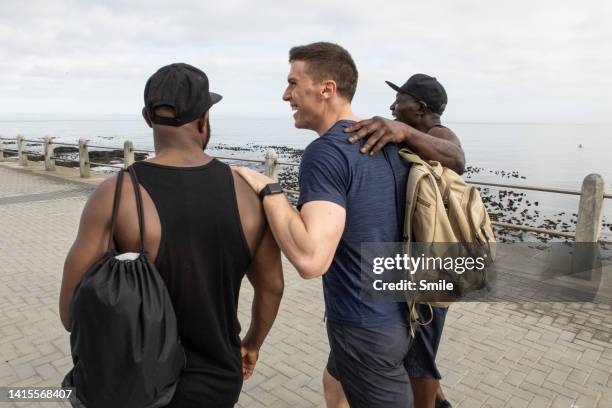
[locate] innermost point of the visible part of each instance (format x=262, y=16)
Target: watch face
x=272, y=188
x=275, y=188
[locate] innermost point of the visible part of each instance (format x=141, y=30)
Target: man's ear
x=329, y=89
x=202, y=122
x=423, y=108
x=145, y=115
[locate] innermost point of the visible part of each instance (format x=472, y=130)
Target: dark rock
x=65, y=149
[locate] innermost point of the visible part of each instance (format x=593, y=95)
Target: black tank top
x=203, y=256
x=437, y=126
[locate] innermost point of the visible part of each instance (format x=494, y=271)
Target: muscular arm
x=440, y=144
x=90, y=244
x=308, y=238
x=266, y=276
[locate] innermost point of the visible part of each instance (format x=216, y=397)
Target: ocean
x=548, y=155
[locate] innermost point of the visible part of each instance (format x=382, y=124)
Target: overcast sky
x=514, y=61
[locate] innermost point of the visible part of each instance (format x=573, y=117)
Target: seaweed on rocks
x=65, y=149
x=110, y=156
x=503, y=205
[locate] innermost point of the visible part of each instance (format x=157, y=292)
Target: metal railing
x=590, y=207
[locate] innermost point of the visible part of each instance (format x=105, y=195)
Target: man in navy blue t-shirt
x=346, y=198
x=371, y=190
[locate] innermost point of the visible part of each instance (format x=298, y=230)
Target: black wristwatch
x=272, y=188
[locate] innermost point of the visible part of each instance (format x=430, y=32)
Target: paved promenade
x=492, y=355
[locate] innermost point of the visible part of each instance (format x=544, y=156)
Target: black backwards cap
x=181, y=87
x=426, y=89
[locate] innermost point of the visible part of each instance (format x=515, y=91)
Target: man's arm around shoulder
x=440, y=143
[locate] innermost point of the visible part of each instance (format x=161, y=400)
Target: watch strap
x=272, y=188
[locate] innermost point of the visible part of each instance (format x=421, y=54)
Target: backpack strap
x=410, y=192
x=416, y=317
x=116, y=201
x=411, y=188
x=425, y=172
x=410, y=156
x=141, y=224
x=432, y=166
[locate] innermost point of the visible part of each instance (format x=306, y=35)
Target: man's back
x=194, y=234
x=204, y=229
x=372, y=190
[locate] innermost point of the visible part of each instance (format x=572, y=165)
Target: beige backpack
x=442, y=208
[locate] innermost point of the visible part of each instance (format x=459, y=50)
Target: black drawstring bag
x=124, y=338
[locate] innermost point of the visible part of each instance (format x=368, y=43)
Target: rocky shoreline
x=504, y=205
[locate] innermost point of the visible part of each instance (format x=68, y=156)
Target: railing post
x=128, y=153
x=83, y=158
x=1, y=152
x=49, y=154
x=270, y=165
x=588, y=226
x=22, y=154
x=585, y=259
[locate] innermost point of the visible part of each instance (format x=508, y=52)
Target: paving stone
x=538, y=390
x=599, y=377
x=470, y=402
x=557, y=376
x=516, y=402
x=515, y=378
x=536, y=377
x=539, y=402
x=586, y=402
x=578, y=376
x=564, y=402
x=493, y=402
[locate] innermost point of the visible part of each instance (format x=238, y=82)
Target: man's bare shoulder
x=244, y=192
x=104, y=192
x=251, y=212
x=100, y=203
x=445, y=133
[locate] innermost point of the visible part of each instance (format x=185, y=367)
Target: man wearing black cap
x=204, y=228
x=417, y=109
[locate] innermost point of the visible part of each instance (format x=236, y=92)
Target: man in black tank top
x=418, y=106
x=204, y=228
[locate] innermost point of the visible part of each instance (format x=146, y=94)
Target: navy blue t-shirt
x=372, y=190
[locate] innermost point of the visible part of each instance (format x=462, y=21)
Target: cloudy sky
x=514, y=61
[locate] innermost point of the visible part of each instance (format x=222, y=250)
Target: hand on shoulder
x=379, y=132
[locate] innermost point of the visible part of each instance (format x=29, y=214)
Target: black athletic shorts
x=421, y=361
x=369, y=362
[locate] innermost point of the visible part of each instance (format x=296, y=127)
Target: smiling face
x=305, y=97
x=407, y=109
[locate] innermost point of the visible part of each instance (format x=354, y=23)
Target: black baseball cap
x=181, y=87
x=426, y=89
